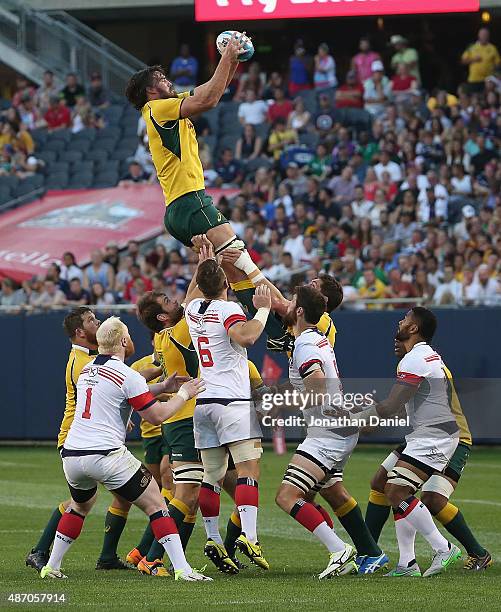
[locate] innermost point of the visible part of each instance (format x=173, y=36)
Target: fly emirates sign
x=224, y=10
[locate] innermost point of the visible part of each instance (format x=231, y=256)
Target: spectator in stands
x=484, y=290
x=482, y=57
x=100, y=297
x=280, y=108
x=252, y=111
x=229, y=170
x=132, y=288
x=250, y=80
x=377, y=90
x=399, y=288
x=98, y=95
x=373, y=288
x=360, y=205
x=28, y=113
x=98, y=271
x=50, y=296
x=280, y=138
x=483, y=156
x=293, y=244
x=324, y=76
x=387, y=165
x=450, y=290
x=343, y=186
x=72, y=90
x=23, y=89
x=11, y=296
x=77, y=295
x=351, y=93
x=362, y=62
x=58, y=115
x=275, y=80
x=184, y=70
x=403, y=84
x=69, y=268
x=296, y=180
x=300, y=69
x=45, y=92
x=405, y=55
x=320, y=165
x=299, y=118
x=249, y=145
x=135, y=174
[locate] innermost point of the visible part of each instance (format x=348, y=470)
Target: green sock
x=186, y=530
x=114, y=524
x=351, y=519
x=273, y=327
x=49, y=533
x=233, y=530
x=155, y=552
x=458, y=527
x=146, y=541
x=377, y=513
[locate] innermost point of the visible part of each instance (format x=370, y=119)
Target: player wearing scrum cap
x=94, y=450
x=225, y=420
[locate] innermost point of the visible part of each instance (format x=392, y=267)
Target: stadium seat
x=63, y=134
x=310, y=100
x=106, y=179
x=79, y=145
x=212, y=117
x=72, y=156
x=262, y=130
x=55, y=145
x=81, y=180
x=57, y=180
x=85, y=167
x=5, y=195
x=9, y=181
x=121, y=154
x=310, y=139
x=111, y=131
x=259, y=162
x=59, y=166
x=228, y=141
x=46, y=156
x=40, y=136
x=128, y=143
x=28, y=185
x=211, y=141
x=112, y=165
x=97, y=155
x=86, y=133
x=129, y=128
x=106, y=144
x=112, y=114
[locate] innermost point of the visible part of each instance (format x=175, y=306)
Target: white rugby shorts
x=216, y=424
x=433, y=452
x=332, y=453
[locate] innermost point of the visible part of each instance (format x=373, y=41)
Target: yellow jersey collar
x=78, y=347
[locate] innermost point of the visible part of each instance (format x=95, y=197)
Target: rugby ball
x=223, y=39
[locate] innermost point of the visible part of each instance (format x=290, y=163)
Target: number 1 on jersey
x=86, y=412
x=205, y=355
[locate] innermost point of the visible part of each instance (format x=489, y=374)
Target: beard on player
x=130, y=349
x=290, y=317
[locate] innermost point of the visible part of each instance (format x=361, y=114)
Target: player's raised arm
x=158, y=412
x=246, y=333
x=206, y=96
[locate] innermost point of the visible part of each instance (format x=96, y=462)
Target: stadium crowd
x=393, y=189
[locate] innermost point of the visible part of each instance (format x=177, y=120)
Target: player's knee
x=286, y=497
x=230, y=482
x=433, y=501
x=188, y=494
x=120, y=503
x=336, y=495
x=378, y=481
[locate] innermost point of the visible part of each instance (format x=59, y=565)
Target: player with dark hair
x=320, y=459
x=81, y=326
x=174, y=151
x=436, y=491
x=421, y=388
x=225, y=420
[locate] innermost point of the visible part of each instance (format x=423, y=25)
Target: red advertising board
x=37, y=234
x=234, y=10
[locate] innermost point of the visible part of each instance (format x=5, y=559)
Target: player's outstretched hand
x=230, y=256
x=235, y=47
x=206, y=252
x=194, y=387
x=173, y=382
x=262, y=297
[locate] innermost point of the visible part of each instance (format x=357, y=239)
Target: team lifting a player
x=199, y=399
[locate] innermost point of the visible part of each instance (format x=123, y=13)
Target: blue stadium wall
x=34, y=355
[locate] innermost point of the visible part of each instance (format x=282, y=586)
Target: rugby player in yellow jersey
x=437, y=490
x=174, y=151
x=81, y=326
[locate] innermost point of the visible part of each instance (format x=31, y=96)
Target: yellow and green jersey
x=176, y=353
x=326, y=327
x=78, y=358
x=255, y=377
x=457, y=411
x=173, y=147
x=147, y=429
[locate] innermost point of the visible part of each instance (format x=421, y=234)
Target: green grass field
x=33, y=484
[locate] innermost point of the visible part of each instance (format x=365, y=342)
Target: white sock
x=59, y=548
x=329, y=538
x=421, y=519
x=248, y=518
x=174, y=549
x=212, y=528
x=406, y=534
